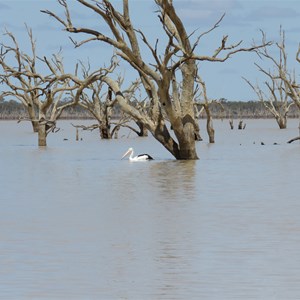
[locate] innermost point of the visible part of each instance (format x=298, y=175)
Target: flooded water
x=79, y=223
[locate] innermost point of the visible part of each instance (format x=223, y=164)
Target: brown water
x=79, y=223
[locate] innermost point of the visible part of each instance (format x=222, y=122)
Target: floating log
x=294, y=139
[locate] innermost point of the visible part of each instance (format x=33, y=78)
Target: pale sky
x=243, y=21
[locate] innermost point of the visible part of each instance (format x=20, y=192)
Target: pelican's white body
x=141, y=157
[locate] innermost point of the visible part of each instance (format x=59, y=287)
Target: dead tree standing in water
x=41, y=94
x=156, y=74
x=276, y=98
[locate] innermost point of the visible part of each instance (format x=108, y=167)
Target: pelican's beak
x=126, y=153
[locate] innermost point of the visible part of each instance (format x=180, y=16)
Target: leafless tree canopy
x=169, y=101
x=41, y=83
x=277, y=91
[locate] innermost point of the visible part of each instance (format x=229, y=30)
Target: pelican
x=141, y=157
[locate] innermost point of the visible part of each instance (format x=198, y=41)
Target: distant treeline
x=12, y=110
x=245, y=110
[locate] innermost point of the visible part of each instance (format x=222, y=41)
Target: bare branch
x=216, y=25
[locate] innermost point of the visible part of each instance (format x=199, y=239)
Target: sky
x=243, y=21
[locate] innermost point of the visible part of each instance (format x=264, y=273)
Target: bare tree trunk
x=105, y=131
x=188, y=146
x=77, y=134
x=240, y=127
x=197, y=132
x=210, y=131
x=209, y=124
x=33, y=118
x=105, y=124
x=42, y=134
x=35, y=125
x=184, y=122
x=163, y=136
x=185, y=133
x=281, y=121
x=115, y=132
x=143, y=129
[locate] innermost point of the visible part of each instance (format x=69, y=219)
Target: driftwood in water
x=294, y=139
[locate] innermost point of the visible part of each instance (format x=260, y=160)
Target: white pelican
x=141, y=157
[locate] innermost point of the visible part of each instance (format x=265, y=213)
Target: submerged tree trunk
x=105, y=124
x=180, y=110
x=186, y=140
x=197, y=132
x=33, y=118
x=209, y=124
x=281, y=121
x=188, y=145
x=42, y=134
x=185, y=133
x=104, y=131
x=35, y=125
x=241, y=126
x=210, y=131
x=115, y=132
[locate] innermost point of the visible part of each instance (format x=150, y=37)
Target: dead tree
x=276, y=96
x=289, y=78
x=21, y=61
x=101, y=111
x=205, y=103
x=101, y=103
x=179, y=57
x=294, y=88
x=276, y=100
x=133, y=96
x=98, y=104
x=41, y=94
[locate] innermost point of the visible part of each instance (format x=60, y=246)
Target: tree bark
x=42, y=134
x=197, y=132
x=105, y=131
x=210, y=131
x=281, y=121
x=143, y=130
x=33, y=118
x=188, y=147
x=209, y=124
x=35, y=125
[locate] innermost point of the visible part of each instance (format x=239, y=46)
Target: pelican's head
x=129, y=151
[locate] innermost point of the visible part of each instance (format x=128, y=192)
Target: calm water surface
x=79, y=223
